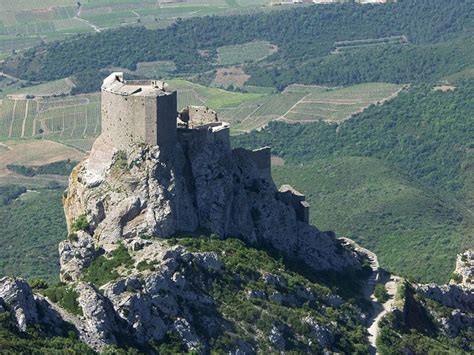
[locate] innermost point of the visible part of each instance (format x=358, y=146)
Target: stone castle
x=146, y=111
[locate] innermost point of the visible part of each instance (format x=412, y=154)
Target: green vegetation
x=9, y=193
x=412, y=230
x=381, y=293
x=62, y=167
x=419, y=332
x=80, y=224
x=103, y=269
x=456, y=277
x=305, y=38
x=26, y=23
x=35, y=341
x=31, y=231
x=65, y=296
x=253, y=318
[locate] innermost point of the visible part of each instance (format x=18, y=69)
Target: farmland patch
x=245, y=53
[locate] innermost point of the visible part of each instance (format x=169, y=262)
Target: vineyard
x=75, y=120
x=245, y=53
x=71, y=120
x=345, y=46
x=299, y=103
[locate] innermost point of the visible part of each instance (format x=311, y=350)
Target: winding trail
x=377, y=276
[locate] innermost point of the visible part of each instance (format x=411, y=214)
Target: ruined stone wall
x=166, y=124
x=297, y=200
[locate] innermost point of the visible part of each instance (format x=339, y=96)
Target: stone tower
x=139, y=111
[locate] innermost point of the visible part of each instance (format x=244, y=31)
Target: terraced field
x=299, y=103
x=52, y=88
x=345, y=46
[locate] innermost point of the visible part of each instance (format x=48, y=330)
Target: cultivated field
x=73, y=120
x=245, y=53
x=33, y=152
x=24, y=23
x=345, y=46
x=299, y=103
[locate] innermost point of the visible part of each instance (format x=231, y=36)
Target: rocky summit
x=158, y=249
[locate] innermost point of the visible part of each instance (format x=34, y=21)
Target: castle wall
x=295, y=199
x=166, y=112
x=123, y=119
x=138, y=112
x=261, y=158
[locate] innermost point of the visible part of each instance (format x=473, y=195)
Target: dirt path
x=377, y=276
x=23, y=125
x=9, y=76
x=10, y=131
x=374, y=328
x=97, y=29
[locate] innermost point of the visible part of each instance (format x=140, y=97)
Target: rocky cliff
x=431, y=317
x=206, y=188
x=184, y=253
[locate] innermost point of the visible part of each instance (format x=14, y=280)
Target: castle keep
x=146, y=111
x=135, y=111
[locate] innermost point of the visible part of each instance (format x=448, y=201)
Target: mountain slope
x=412, y=230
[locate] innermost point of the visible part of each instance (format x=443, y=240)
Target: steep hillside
x=412, y=194
x=412, y=230
x=32, y=227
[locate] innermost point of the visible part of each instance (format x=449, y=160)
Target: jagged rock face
x=132, y=196
x=18, y=298
x=76, y=254
x=207, y=187
x=452, y=296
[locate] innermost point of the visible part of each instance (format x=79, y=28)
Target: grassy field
x=412, y=230
x=245, y=53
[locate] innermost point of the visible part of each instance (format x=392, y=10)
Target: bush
x=38, y=284
x=456, y=277
x=381, y=293
x=80, y=224
x=121, y=161
x=65, y=296
x=102, y=269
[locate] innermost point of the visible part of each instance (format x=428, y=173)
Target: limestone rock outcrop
x=18, y=298
x=208, y=187
x=452, y=296
x=464, y=273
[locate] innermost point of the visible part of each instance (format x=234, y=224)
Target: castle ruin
x=146, y=111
